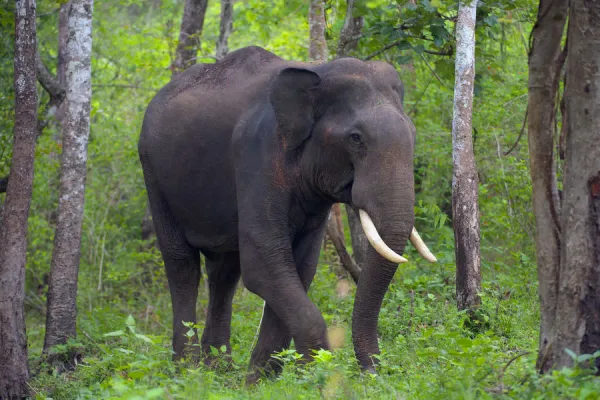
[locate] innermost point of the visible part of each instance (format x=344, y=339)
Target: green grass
x=427, y=351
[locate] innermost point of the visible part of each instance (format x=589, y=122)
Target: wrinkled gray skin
x=243, y=159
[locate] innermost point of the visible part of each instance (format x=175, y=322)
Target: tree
x=318, y=52
x=570, y=291
x=192, y=23
x=62, y=284
x=14, y=371
x=350, y=33
x=545, y=63
x=349, y=37
x=465, y=210
x=226, y=27
x=316, y=21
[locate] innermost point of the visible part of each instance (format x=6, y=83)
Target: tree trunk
x=61, y=63
x=14, y=372
x=192, y=23
x=360, y=243
x=336, y=233
x=225, y=29
x=578, y=303
x=189, y=35
x=544, y=72
x=465, y=208
x=316, y=21
x=350, y=31
x=62, y=284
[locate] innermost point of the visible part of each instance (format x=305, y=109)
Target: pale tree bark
x=14, y=372
x=350, y=33
x=317, y=50
x=192, y=23
x=544, y=73
x=578, y=303
x=62, y=284
x=465, y=210
x=226, y=27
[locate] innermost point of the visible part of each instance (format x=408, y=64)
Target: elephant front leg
x=274, y=335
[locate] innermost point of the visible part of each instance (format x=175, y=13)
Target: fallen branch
x=347, y=262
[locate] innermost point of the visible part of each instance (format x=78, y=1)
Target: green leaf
x=137, y=374
x=214, y=351
x=120, y=332
x=223, y=349
x=144, y=338
x=571, y=354
x=130, y=320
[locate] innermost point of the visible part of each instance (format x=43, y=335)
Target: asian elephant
x=242, y=161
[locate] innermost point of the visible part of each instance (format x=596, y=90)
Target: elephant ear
x=294, y=104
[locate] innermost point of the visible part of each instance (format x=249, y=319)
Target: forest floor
x=429, y=349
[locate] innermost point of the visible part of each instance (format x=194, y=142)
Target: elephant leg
x=223, y=276
x=274, y=336
x=182, y=264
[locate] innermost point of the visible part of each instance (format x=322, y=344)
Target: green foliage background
x=429, y=349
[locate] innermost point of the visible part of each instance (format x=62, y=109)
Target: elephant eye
x=355, y=138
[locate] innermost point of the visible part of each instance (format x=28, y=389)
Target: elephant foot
x=256, y=372
x=221, y=362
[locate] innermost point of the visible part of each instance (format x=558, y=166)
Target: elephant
x=242, y=161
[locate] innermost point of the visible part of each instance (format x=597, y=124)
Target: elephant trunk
x=391, y=212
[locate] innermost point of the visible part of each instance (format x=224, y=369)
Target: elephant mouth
x=344, y=195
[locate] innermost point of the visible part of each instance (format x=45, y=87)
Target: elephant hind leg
x=223, y=276
x=182, y=265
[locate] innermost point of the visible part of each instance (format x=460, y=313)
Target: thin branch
x=420, y=97
x=347, y=262
x=520, y=133
x=432, y=70
x=49, y=82
x=123, y=86
x=382, y=50
x=448, y=52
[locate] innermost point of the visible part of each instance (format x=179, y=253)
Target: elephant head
x=345, y=123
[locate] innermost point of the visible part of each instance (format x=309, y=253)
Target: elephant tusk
x=421, y=247
x=376, y=240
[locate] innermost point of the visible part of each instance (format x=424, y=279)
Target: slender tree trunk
x=189, y=35
x=14, y=372
x=318, y=52
x=578, y=305
x=360, y=243
x=544, y=72
x=63, y=35
x=225, y=28
x=350, y=31
x=465, y=208
x=336, y=233
x=192, y=23
x=62, y=285
x=316, y=21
